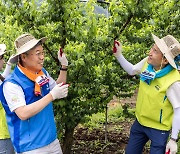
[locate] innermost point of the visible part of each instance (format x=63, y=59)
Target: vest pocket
x=29, y=127
x=160, y=117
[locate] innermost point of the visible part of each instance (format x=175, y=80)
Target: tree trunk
x=68, y=141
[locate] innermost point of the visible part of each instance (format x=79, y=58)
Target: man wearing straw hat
x=157, y=106
x=27, y=97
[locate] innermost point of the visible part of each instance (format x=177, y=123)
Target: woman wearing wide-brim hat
x=157, y=106
x=5, y=142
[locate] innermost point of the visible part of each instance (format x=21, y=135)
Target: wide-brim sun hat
x=2, y=49
x=169, y=47
x=24, y=43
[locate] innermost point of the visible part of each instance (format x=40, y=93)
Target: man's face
x=33, y=60
x=156, y=58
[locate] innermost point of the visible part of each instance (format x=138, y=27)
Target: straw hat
x=24, y=43
x=2, y=49
x=169, y=47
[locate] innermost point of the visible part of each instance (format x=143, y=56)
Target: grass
x=97, y=121
x=115, y=115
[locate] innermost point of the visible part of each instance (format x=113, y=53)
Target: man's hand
x=117, y=49
x=59, y=91
x=172, y=146
x=62, y=57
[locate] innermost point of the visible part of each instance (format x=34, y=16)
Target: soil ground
x=93, y=142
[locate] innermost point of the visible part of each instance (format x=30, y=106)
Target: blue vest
x=37, y=131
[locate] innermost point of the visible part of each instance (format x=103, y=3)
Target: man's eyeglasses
x=1, y=57
x=38, y=53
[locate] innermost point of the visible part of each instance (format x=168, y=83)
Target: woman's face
x=1, y=62
x=156, y=58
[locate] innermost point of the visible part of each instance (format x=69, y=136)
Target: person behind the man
x=6, y=146
x=158, y=97
x=27, y=97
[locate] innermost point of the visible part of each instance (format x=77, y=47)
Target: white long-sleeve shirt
x=172, y=92
x=15, y=96
x=6, y=72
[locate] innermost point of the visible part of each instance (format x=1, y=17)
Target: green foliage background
x=87, y=38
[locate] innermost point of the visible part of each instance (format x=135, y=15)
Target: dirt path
x=93, y=142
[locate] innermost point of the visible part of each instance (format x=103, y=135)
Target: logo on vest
x=41, y=80
x=157, y=87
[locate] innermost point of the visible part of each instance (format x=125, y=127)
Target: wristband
x=175, y=140
x=63, y=69
x=1, y=78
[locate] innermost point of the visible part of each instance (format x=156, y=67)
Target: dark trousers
x=6, y=146
x=140, y=135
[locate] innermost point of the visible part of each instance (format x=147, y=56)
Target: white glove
x=59, y=91
x=117, y=50
x=62, y=57
x=172, y=146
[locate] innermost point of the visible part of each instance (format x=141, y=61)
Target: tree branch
x=127, y=22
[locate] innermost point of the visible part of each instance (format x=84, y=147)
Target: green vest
x=153, y=109
x=4, y=134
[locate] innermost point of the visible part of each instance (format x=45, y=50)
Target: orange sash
x=39, y=78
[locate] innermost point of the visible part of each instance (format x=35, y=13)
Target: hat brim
x=2, y=49
x=165, y=51
x=26, y=47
